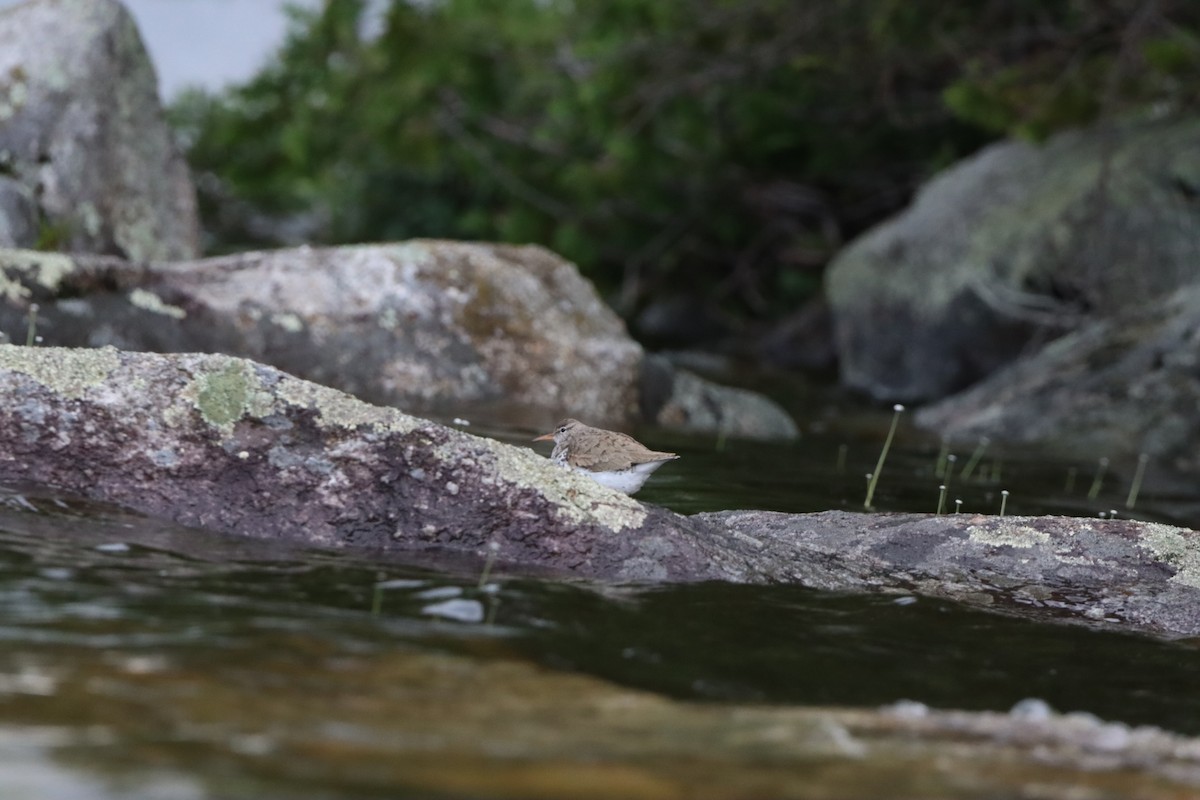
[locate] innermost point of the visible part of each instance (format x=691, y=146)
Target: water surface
x=142, y=659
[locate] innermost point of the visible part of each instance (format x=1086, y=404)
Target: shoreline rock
x=238, y=447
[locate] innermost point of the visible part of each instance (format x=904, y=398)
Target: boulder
x=503, y=333
x=678, y=399
x=1115, y=388
x=229, y=445
x=238, y=447
x=82, y=129
x=1013, y=247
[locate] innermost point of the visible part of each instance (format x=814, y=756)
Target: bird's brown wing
x=620, y=452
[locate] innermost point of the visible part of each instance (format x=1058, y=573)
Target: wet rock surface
x=83, y=132
x=447, y=725
x=1113, y=573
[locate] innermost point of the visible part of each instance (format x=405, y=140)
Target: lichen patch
x=149, y=301
x=1008, y=533
x=70, y=372
x=43, y=269
x=577, y=497
x=1175, y=548
x=288, y=321
x=223, y=395
x=338, y=409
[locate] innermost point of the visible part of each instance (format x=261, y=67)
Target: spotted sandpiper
x=612, y=459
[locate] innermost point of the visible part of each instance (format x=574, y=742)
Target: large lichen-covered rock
x=493, y=332
x=1115, y=388
x=229, y=445
x=1013, y=247
x=82, y=128
x=430, y=325
x=237, y=447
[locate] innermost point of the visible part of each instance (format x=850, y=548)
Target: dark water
x=135, y=654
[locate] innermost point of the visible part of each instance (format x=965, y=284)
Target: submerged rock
x=679, y=399
x=83, y=131
x=391, y=720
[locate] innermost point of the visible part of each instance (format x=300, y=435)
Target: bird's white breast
x=624, y=480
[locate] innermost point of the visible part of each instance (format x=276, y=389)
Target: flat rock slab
x=1122, y=573
x=234, y=446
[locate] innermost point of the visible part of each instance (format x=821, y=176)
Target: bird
x=612, y=459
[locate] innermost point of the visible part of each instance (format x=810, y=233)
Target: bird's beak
x=545, y=437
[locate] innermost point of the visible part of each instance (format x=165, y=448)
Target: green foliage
x=717, y=147
x=52, y=236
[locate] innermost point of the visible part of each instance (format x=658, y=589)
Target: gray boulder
x=1012, y=248
x=681, y=400
x=82, y=129
x=1116, y=388
x=503, y=333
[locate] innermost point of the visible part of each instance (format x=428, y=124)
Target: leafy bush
x=719, y=147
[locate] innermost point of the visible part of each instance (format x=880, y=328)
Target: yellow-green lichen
x=68, y=371
x=1012, y=534
x=151, y=302
x=226, y=391
x=44, y=269
x=338, y=409
x=576, y=496
x=1176, y=547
